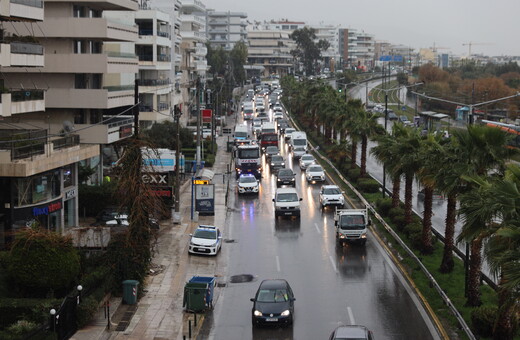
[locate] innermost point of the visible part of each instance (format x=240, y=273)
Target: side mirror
x=293, y=299
x=273, y=199
x=252, y=299
x=301, y=199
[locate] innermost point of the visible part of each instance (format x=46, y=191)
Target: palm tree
x=495, y=203
x=387, y=153
x=367, y=128
x=484, y=149
x=409, y=145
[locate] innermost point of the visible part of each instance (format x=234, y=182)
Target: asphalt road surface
x=333, y=285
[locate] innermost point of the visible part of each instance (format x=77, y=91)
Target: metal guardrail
x=121, y=122
x=433, y=282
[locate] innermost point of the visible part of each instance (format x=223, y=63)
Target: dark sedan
x=273, y=303
x=285, y=177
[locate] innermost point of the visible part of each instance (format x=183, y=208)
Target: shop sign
x=163, y=192
x=37, y=211
x=155, y=178
x=70, y=194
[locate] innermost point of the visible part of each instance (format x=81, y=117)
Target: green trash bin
x=130, y=292
x=195, y=296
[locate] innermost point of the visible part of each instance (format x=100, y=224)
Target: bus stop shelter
x=432, y=121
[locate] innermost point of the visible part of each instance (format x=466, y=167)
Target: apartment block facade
x=225, y=29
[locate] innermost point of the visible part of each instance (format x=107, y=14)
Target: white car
x=247, y=184
x=331, y=195
x=277, y=115
x=257, y=125
x=206, y=239
x=298, y=152
x=306, y=160
x=315, y=173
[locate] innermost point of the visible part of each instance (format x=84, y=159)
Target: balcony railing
x=26, y=95
x=121, y=54
x=163, y=34
x=154, y=82
x=119, y=88
x=32, y=3
x=145, y=108
x=163, y=57
x=23, y=143
x=65, y=142
x=150, y=32
x=26, y=48
x=163, y=106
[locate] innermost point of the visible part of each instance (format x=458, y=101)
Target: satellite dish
x=68, y=127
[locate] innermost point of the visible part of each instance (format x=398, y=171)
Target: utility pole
x=199, y=121
x=136, y=108
x=177, y=115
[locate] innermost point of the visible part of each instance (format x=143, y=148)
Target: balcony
x=108, y=5
x=23, y=101
x=106, y=98
x=112, y=129
x=193, y=35
x=111, y=62
x=193, y=5
x=25, y=153
x=30, y=10
x=78, y=28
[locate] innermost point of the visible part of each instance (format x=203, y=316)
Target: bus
x=511, y=129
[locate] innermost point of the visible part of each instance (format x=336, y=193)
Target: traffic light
x=340, y=90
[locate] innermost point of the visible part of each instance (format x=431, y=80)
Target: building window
x=69, y=175
x=70, y=213
x=39, y=188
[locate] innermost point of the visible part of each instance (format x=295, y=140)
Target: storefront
x=48, y=199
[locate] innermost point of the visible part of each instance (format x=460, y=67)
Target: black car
x=273, y=303
x=282, y=124
x=270, y=151
x=277, y=162
x=353, y=332
x=285, y=177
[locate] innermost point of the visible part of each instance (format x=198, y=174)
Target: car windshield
x=287, y=197
x=315, y=169
x=289, y=131
x=331, y=191
x=307, y=158
x=347, y=222
x=206, y=234
x=299, y=142
x=287, y=172
x=247, y=179
x=248, y=111
x=249, y=153
x=272, y=295
x=270, y=137
x=240, y=134
x=299, y=148
x=277, y=158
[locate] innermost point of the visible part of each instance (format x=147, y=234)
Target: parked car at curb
x=206, y=239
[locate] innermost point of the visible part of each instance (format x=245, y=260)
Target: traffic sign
x=385, y=58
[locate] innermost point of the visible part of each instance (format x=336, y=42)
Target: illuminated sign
x=200, y=181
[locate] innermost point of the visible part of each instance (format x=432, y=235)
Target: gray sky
x=415, y=23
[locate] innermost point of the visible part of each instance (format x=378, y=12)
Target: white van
x=286, y=202
x=298, y=139
x=240, y=133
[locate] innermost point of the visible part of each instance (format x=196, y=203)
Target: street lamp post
x=79, y=288
x=53, y=319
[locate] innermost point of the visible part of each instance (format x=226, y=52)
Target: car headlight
x=286, y=312
x=364, y=235
x=272, y=164
x=283, y=164
x=257, y=313
x=278, y=179
x=342, y=236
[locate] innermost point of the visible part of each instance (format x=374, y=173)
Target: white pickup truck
x=351, y=225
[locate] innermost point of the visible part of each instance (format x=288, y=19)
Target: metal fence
x=65, y=142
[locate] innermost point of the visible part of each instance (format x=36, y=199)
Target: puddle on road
x=242, y=278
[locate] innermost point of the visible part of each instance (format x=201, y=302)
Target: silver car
x=306, y=160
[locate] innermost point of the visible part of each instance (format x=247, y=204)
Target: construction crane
x=469, y=44
x=435, y=48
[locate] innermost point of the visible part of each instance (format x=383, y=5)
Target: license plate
x=288, y=213
x=271, y=319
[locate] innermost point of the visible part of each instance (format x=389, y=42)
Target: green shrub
x=392, y=212
x=412, y=228
x=22, y=327
x=383, y=206
x=483, y=320
x=368, y=185
x=42, y=262
x=32, y=310
x=86, y=310
x=399, y=221
x=353, y=174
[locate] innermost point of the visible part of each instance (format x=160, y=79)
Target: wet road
x=332, y=285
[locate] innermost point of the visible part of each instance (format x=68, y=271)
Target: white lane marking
x=277, y=263
x=333, y=264
x=317, y=228
x=351, y=316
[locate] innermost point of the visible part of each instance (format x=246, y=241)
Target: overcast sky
x=492, y=26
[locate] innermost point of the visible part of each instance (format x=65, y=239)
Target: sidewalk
x=159, y=313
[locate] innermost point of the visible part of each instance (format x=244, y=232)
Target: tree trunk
x=396, y=188
x=364, y=145
x=449, y=232
x=475, y=264
x=408, y=198
x=426, y=239
x=354, y=155
x=504, y=328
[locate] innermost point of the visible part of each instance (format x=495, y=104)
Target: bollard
x=189, y=329
x=195, y=315
x=223, y=178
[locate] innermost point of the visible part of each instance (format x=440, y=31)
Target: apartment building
x=153, y=49
x=357, y=49
x=40, y=146
x=225, y=29
x=269, y=52
x=332, y=55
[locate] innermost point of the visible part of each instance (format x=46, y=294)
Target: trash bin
x=198, y=294
x=230, y=145
x=130, y=291
x=210, y=281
